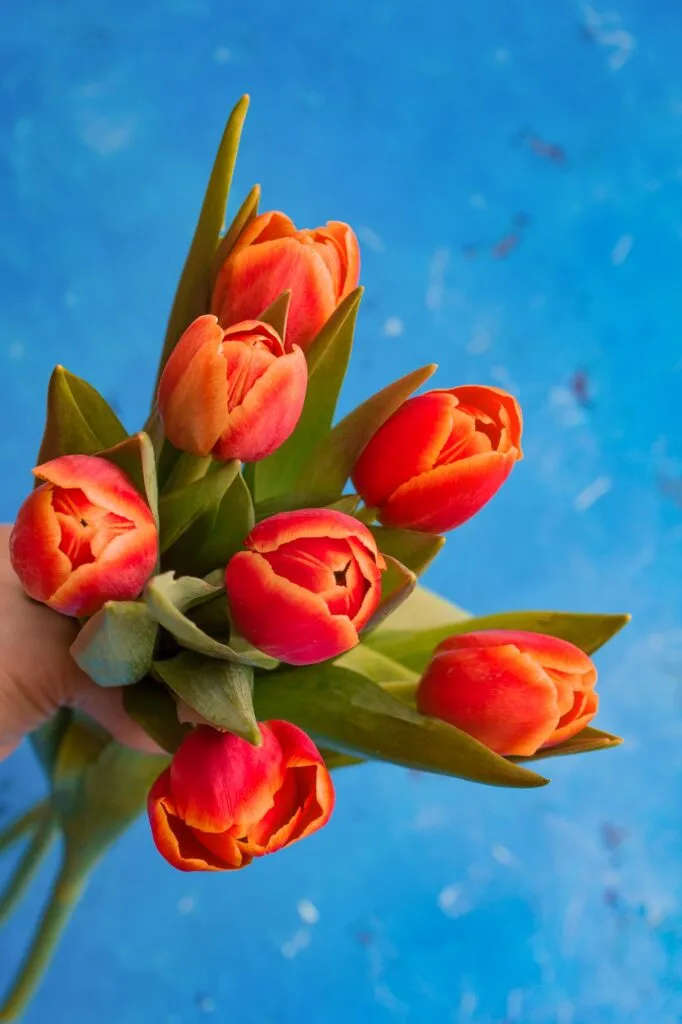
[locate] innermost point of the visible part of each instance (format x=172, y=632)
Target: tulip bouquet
x=247, y=571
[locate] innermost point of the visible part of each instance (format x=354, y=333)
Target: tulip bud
x=223, y=802
x=514, y=691
x=305, y=586
x=320, y=267
x=235, y=394
x=437, y=460
x=83, y=537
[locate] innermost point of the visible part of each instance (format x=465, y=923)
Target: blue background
x=425, y=899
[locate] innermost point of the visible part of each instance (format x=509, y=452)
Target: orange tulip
x=84, y=537
x=320, y=267
x=235, y=394
x=514, y=691
x=223, y=802
x=305, y=586
x=440, y=457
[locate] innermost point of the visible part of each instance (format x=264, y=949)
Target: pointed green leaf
x=212, y=540
x=343, y=709
x=424, y=609
x=192, y=297
x=291, y=502
x=219, y=691
x=414, y=648
x=415, y=550
x=135, y=456
x=179, y=509
x=335, y=759
x=153, y=707
x=327, y=363
x=116, y=646
x=79, y=420
x=585, y=742
x=335, y=456
x=375, y=666
x=245, y=214
x=276, y=314
x=169, y=598
x=397, y=583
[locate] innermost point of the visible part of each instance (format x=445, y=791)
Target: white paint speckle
x=621, y=250
x=308, y=912
x=596, y=490
x=448, y=898
x=502, y=56
x=206, y=1005
x=370, y=238
x=468, y=1004
x=70, y=300
x=479, y=342
x=16, y=350
x=393, y=327
x=435, y=289
x=478, y=202
x=503, y=855
x=186, y=905
x=221, y=55
x=293, y=946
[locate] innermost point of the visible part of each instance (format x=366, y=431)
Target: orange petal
x=497, y=695
x=571, y=724
x=103, y=483
x=447, y=496
x=284, y=527
x=496, y=403
x=346, y=239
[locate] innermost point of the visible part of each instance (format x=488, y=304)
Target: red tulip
x=514, y=691
x=305, y=586
x=320, y=267
x=440, y=457
x=235, y=394
x=223, y=802
x=84, y=537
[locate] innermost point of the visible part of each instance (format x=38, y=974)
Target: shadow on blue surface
x=426, y=126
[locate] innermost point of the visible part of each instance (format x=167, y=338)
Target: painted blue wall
x=425, y=899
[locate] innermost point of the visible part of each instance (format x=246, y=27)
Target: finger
x=105, y=705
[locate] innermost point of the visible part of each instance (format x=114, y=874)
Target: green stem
x=21, y=826
x=187, y=470
x=65, y=894
x=249, y=474
x=402, y=689
x=27, y=867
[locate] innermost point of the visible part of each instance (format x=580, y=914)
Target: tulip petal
x=254, y=277
x=34, y=546
x=269, y=411
x=329, y=523
x=447, y=496
x=582, y=713
x=173, y=838
x=298, y=627
x=499, y=405
x=498, y=695
x=559, y=657
x=347, y=241
x=218, y=779
x=406, y=446
x=102, y=483
x=193, y=391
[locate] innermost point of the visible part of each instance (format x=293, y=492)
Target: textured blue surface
x=425, y=899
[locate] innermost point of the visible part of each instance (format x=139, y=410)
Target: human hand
x=38, y=675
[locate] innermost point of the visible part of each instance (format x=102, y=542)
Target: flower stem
x=65, y=894
x=27, y=867
x=21, y=826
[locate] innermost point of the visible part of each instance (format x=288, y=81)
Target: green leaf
x=585, y=742
x=424, y=609
x=192, y=297
x=345, y=710
x=79, y=421
x=169, y=598
x=276, y=314
x=414, y=648
x=397, y=583
x=375, y=666
x=245, y=214
x=327, y=363
x=291, y=502
x=335, y=456
x=415, y=550
x=116, y=646
x=218, y=691
x=135, y=456
x=335, y=759
x=153, y=707
x=212, y=540
x=47, y=739
x=179, y=509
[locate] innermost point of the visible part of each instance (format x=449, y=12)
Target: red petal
x=498, y=695
x=103, y=483
x=406, y=446
x=585, y=708
x=553, y=653
x=310, y=522
x=174, y=840
x=298, y=627
x=34, y=546
x=499, y=405
x=447, y=496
